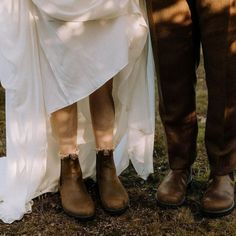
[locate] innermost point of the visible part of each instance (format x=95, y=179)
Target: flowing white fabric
x=54, y=53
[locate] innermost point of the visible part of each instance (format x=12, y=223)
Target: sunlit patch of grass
x=201, y=166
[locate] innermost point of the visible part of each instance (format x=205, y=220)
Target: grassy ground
x=143, y=217
x=2, y=123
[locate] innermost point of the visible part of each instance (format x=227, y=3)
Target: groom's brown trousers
x=178, y=27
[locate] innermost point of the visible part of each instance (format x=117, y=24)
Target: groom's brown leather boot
x=113, y=195
x=75, y=199
x=172, y=190
x=218, y=200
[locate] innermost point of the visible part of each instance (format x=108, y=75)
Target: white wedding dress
x=54, y=53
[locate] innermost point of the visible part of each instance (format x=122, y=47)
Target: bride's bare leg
x=103, y=115
x=113, y=196
x=64, y=124
x=74, y=197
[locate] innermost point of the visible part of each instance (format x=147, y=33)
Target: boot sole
x=112, y=212
x=221, y=213
x=117, y=212
x=80, y=217
x=169, y=205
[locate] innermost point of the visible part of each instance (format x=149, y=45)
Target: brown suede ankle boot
x=172, y=190
x=113, y=195
x=218, y=199
x=75, y=199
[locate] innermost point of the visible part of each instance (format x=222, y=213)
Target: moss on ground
x=144, y=217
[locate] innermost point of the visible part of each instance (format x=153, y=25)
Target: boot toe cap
x=167, y=198
x=77, y=207
x=217, y=204
x=116, y=203
x=80, y=211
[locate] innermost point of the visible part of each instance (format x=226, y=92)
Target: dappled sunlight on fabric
x=233, y=48
x=109, y=4
x=83, y=10
x=214, y=6
x=22, y=134
x=70, y=29
x=175, y=13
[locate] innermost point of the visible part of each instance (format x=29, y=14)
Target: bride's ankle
x=105, y=151
x=72, y=153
